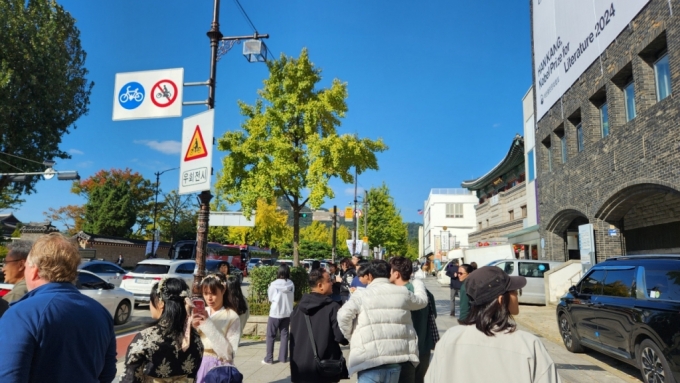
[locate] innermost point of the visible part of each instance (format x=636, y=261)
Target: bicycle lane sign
x=148, y=94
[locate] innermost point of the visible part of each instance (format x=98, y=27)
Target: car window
x=149, y=268
x=95, y=268
x=254, y=260
x=662, y=283
x=619, y=283
x=185, y=268
x=212, y=266
x=89, y=281
x=533, y=269
x=508, y=267
x=111, y=269
x=592, y=283
x=185, y=251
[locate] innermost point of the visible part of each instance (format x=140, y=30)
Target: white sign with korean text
x=196, y=155
x=148, y=94
x=568, y=37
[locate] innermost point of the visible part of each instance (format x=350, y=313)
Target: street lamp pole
x=354, y=218
x=155, y=212
x=205, y=196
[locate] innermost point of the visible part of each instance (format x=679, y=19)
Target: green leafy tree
x=316, y=232
x=110, y=211
x=385, y=225
x=43, y=88
x=288, y=146
x=177, y=218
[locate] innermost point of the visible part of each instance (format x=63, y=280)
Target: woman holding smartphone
x=170, y=349
x=218, y=325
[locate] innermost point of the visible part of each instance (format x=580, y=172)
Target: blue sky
x=440, y=81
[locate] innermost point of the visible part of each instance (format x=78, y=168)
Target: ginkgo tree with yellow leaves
x=288, y=144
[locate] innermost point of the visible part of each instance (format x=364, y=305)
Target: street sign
x=349, y=214
x=148, y=94
x=586, y=245
x=359, y=246
x=365, y=239
x=196, y=165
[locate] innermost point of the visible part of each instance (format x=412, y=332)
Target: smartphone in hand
x=199, y=305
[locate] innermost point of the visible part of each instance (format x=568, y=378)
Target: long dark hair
x=283, y=272
x=235, y=296
x=491, y=316
x=174, y=314
x=217, y=282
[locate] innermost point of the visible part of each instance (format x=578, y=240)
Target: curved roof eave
x=510, y=160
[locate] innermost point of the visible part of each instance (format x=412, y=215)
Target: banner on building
x=568, y=37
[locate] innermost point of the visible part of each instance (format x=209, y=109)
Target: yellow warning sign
x=197, y=148
x=349, y=214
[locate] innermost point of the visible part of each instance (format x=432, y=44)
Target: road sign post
x=148, y=94
x=196, y=165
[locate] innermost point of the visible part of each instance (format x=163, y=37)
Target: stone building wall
x=636, y=165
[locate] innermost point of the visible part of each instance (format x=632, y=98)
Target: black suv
x=629, y=308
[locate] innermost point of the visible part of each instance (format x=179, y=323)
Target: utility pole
x=155, y=212
x=365, y=214
x=335, y=232
x=354, y=217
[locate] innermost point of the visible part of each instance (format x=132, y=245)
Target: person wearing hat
x=489, y=335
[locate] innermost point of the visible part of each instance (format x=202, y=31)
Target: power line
x=21, y=158
x=245, y=15
x=5, y=162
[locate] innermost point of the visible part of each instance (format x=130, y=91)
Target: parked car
x=532, y=270
x=146, y=273
x=117, y=301
x=629, y=308
x=288, y=262
x=212, y=266
x=252, y=263
x=108, y=271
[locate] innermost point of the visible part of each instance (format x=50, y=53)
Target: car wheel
x=122, y=313
x=569, y=337
x=653, y=364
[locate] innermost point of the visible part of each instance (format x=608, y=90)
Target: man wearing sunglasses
x=14, y=269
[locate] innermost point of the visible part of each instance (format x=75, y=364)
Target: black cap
x=488, y=283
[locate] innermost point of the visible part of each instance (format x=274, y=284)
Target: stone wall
x=637, y=161
x=498, y=215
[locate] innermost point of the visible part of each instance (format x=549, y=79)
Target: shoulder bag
x=327, y=368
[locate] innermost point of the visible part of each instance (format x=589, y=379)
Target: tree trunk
x=296, y=234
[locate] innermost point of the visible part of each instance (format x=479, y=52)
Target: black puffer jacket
x=323, y=313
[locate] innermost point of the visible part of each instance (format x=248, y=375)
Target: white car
x=108, y=271
x=142, y=278
x=116, y=301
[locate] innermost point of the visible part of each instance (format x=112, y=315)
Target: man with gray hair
x=14, y=269
x=54, y=333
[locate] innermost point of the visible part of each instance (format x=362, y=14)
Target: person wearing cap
x=489, y=334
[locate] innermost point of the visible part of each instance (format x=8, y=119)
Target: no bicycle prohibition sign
x=164, y=93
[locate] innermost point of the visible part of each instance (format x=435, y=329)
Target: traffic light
x=303, y=215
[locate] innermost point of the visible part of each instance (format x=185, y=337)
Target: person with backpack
x=315, y=335
x=280, y=293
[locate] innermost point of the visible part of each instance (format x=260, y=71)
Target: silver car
x=532, y=270
x=108, y=271
x=142, y=278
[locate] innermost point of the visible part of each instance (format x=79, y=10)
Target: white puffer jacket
x=383, y=332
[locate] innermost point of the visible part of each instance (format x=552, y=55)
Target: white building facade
x=448, y=217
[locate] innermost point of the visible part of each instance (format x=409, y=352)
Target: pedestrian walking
x=120, y=260
x=464, y=271
x=280, y=293
x=489, y=335
x=218, y=325
x=316, y=314
x=334, y=274
x=15, y=263
x=377, y=320
x=237, y=301
x=54, y=333
x=423, y=322
x=170, y=350
x=346, y=278
x=452, y=272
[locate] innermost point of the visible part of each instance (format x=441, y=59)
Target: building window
x=454, y=210
x=629, y=98
x=530, y=164
x=524, y=211
x=662, y=72
x=479, y=225
x=487, y=223
x=579, y=137
x=548, y=151
x=604, y=119
x=511, y=215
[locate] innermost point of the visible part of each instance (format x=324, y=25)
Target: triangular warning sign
x=197, y=148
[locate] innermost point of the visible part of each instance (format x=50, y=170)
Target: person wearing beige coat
x=377, y=321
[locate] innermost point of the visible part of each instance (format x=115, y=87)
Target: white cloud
x=350, y=191
x=167, y=147
x=85, y=164
x=496, y=125
x=75, y=151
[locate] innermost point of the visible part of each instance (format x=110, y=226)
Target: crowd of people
x=381, y=309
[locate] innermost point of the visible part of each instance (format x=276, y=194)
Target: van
x=532, y=270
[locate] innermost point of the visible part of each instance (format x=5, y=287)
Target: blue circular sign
x=131, y=95
x=541, y=267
